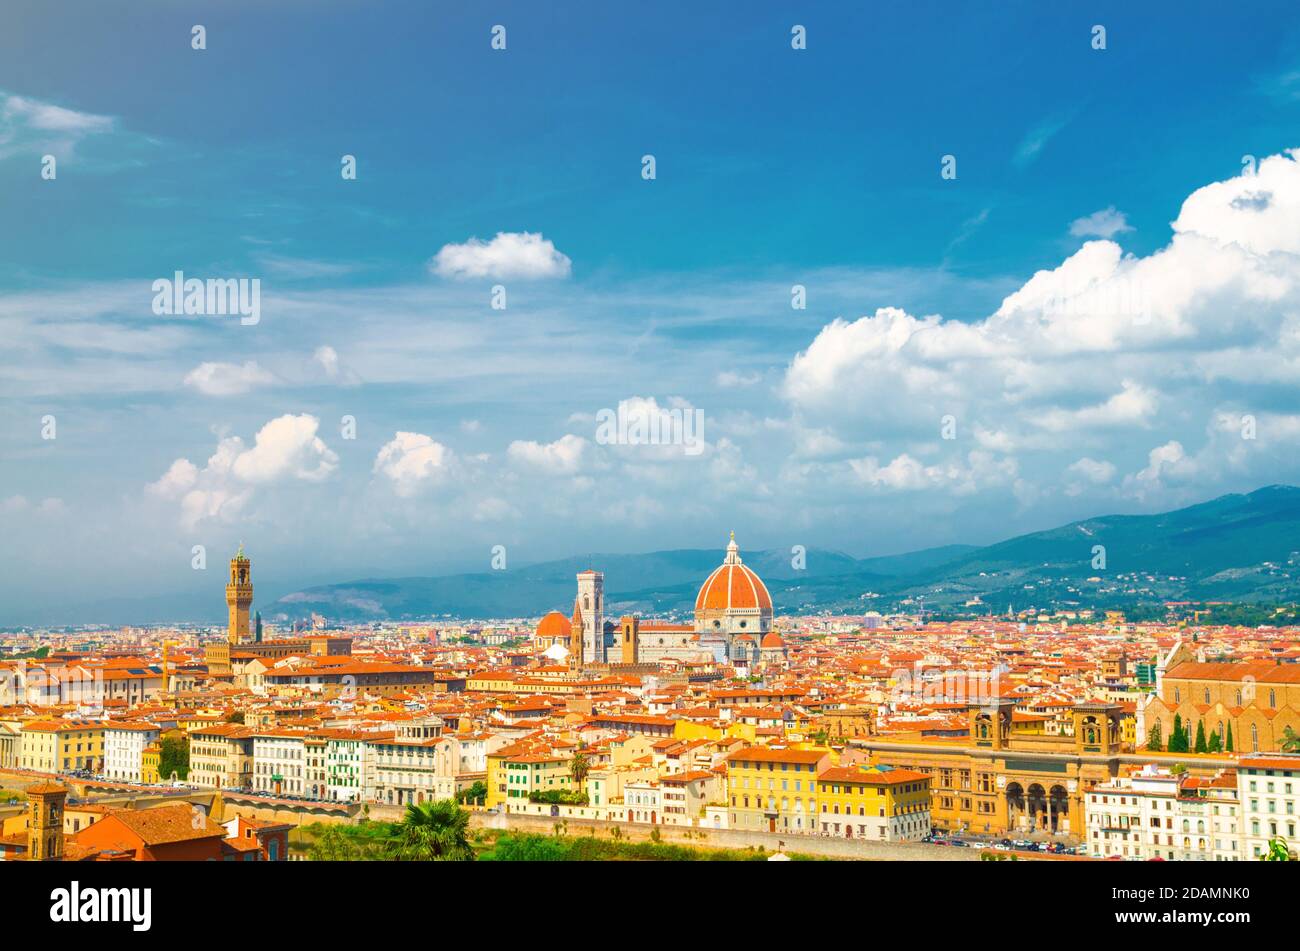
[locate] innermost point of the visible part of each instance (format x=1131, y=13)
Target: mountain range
x=1241, y=548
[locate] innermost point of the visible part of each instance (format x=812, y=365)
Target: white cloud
x=1100, y=224
x=179, y=477
x=285, y=449
x=228, y=379
x=1098, y=472
x=1133, y=405
x=27, y=123
x=905, y=473
x=412, y=461
x=508, y=255
x=730, y=378
x=328, y=358
x=562, y=457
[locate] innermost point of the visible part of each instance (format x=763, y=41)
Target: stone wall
x=732, y=839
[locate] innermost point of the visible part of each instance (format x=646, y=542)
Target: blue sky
x=775, y=167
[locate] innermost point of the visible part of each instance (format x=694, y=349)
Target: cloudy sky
x=1100, y=311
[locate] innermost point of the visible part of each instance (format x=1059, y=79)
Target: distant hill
x=1237, y=547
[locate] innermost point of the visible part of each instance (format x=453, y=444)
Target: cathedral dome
x=554, y=625
x=733, y=587
x=772, y=641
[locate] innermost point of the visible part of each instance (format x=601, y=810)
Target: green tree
x=235, y=716
x=1178, y=738
x=1154, y=738
x=335, y=845
x=1227, y=745
x=476, y=793
x=1216, y=742
x=579, y=767
x=432, y=831
x=1290, y=741
x=1278, y=851
x=1201, y=746
x=174, y=757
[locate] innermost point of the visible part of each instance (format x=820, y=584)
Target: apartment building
x=124, y=746
x=1268, y=786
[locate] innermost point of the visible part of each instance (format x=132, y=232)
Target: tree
x=1154, y=737
x=476, y=793
x=1201, y=746
x=174, y=757
x=335, y=845
x=432, y=831
x=1228, y=743
x=579, y=767
x=1278, y=851
x=1290, y=741
x=1178, y=739
x=1216, y=742
x=235, y=716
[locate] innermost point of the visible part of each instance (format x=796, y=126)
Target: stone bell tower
x=239, y=597
x=591, y=599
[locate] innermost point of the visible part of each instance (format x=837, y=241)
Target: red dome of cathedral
x=554, y=624
x=733, y=586
x=772, y=641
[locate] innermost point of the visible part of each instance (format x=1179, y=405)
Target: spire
x=239, y=555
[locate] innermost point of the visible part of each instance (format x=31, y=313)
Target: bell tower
x=239, y=597
x=45, y=835
x=591, y=599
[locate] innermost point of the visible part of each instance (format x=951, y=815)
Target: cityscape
x=435, y=436
x=1038, y=735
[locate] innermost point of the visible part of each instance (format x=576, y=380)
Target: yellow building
x=516, y=770
x=999, y=779
x=54, y=746
x=774, y=790
x=874, y=802
x=536, y=772
x=150, y=764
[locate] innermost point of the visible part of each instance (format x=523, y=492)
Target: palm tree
x=1290, y=741
x=579, y=768
x=432, y=832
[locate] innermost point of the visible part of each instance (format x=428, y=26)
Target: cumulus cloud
x=1100, y=224
x=285, y=449
x=905, y=473
x=509, y=255
x=1101, y=343
x=562, y=457
x=228, y=379
x=413, y=461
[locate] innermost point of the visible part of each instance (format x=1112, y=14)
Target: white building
x=1155, y=814
x=345, y=756
x=279, y=762
x=404, y=768
x=1267, y=784
x=124, y=745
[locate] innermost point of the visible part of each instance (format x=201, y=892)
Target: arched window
x=1207, y=694
x=1239, y=697
x=1254, y=738
x=1272, y=699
